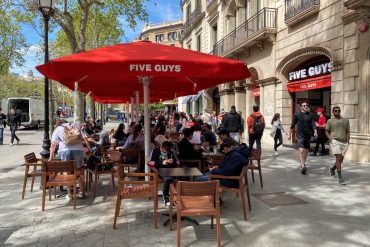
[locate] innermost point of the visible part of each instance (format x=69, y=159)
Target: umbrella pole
x=146, y=82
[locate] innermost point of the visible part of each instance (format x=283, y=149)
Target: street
x=291, y=209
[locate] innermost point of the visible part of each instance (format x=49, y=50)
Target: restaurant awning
x=186, y=99
x=310, y=84
x=196, y=97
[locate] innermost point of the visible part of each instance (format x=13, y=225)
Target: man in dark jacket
x=13, y=124
x=233, y=124
x=2, y=126
x=232, y=165
x=186, y=149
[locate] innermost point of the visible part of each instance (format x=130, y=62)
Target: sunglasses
x=304, y=105
x=336, y=110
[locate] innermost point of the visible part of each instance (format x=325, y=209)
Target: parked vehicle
x=32, y=110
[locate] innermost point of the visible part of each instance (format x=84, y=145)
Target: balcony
x=357, y=4
x=259, y=27
x=193, y=19
x=211, y=5
x=297, y=10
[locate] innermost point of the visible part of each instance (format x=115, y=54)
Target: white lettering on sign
x=311, y=71
x=157, y=68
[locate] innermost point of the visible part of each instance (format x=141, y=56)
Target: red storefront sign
x=256, y=92
x=310, y=84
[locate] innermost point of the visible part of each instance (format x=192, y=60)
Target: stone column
x=239, y=92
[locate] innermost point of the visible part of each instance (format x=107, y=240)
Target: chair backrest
x=255, y=154
x=131, y=155
x=114, y=156
x=61, y=166
x=30, y=158
x=208, y=188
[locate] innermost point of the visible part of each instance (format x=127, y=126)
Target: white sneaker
x=276, y=153
x=68, y=197
x=10, y=144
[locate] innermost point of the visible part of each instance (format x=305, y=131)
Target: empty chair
x=255, y=155
x=196, y=199
x=30, y=160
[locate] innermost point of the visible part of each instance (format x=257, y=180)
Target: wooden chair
x=131, y=158
x=255, y=155
x=196, y=199
x=192, y=163
x=107, y=158
x=240, y=190
x=133, y=189
x=29, y=161
x=60, y=173
x=217, y=160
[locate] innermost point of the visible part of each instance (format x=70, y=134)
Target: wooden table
x=180, y=172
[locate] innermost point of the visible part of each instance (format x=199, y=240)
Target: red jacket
x=250, y=121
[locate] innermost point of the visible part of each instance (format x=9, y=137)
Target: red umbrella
x=114, y=71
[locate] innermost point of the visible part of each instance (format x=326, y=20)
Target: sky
x=162, y=10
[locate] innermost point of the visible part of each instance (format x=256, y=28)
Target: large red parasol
x=112, y=73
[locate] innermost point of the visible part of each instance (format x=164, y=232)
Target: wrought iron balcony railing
x=211, y=4
x=297, y=8
x=193, y=18
x=265, y=19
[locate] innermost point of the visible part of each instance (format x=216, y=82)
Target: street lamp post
x=47, y=8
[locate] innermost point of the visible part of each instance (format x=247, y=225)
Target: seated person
x=86, y=129
x=196, y=135
x=164, y=158
x=103, y=136
x=208, y=136
x=232, y=165
x=223, y=135
x=136, y=138
x=186, y=149
x=120, y=135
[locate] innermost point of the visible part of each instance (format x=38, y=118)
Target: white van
x=32, y=110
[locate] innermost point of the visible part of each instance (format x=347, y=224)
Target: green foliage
x=10, y=86
x=153, y=107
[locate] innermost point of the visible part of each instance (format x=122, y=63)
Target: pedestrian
x=70, y=148
x=214, y=121
x=256, y=126
x=337, y=131
x=233, y=124
x=277, y=129
x=305, y=125
x=242, y=127
x=2, y=126
x=321, y=137
x=206, y=117
x=13, y=124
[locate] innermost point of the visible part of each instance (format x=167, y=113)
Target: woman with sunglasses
x=305, y=125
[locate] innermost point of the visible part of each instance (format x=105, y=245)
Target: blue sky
x=163, y=10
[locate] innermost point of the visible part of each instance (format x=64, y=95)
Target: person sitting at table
x=186, y=150
x=223, y=134
x=135, y=139
x=164, y=158
x=120, y=135
x=209, y=138
x=232, y=165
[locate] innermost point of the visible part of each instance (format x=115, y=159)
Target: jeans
x=255, y=138
x=1, y=136
x=166, y=185
x=12, y=134
x=223, y=182
x=320, y=140
x=75, y=155
x=278, y=140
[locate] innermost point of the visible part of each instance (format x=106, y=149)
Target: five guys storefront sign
x=313, y=77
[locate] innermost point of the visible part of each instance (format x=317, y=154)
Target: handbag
x=71, y=135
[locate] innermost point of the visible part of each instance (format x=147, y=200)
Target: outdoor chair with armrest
x=60, y=173
x=133, y=189
x=196, y=199
x=107, y=158
x=255, y=155
x=29, y=161
x=243, y=185
x=131, y=158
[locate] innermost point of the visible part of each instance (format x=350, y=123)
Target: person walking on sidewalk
x=233, y=124
x=256, y=126
x=338, y=132
x=2, y=126
x=276, y=132
x=321, y=137
x=305, y=125
x=13, y=124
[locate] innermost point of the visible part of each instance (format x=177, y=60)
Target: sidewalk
x=317, y=212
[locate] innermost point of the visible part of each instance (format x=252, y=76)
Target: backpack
x=71, y=135
x=257, y=125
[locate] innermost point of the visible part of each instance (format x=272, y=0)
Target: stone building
x=167, y=33
x=297, y=50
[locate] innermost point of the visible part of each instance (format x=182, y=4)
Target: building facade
x=167, y=33
x=297, y=50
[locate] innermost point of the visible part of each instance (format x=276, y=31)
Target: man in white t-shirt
x=70, y=152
